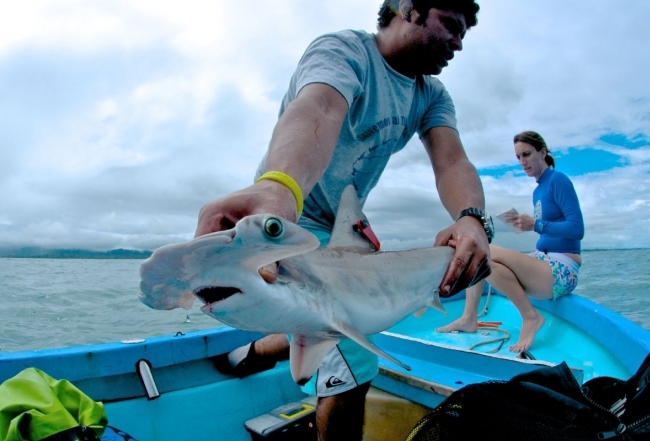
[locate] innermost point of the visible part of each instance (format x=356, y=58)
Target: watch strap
x=483, y=217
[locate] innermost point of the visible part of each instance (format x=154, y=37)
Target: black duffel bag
x=546, y=404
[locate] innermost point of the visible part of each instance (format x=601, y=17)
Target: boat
x=167, y=388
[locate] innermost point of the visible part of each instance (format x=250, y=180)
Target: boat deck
x=558, y=340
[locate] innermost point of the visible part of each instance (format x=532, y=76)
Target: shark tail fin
x=362, y=340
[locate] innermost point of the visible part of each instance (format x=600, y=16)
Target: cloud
x=120, y=119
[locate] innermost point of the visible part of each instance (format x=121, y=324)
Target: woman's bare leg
x=467, y=321
x=518, y=276
x=505, y=281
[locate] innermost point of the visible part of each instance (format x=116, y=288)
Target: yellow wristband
x=288, y=182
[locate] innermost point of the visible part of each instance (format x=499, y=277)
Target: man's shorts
x=346, y=366
x=564, y=269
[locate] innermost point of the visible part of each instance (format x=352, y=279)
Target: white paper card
x=502, y=218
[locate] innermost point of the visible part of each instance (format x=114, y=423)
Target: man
x=354, y=100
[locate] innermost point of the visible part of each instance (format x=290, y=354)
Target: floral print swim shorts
x=564, y=269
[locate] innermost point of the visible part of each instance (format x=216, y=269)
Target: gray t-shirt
x=385, y=109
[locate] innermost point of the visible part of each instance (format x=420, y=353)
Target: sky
x=120, y=119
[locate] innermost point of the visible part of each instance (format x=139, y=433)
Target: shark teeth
x=213, y=294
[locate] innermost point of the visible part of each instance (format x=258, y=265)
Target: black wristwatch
x=482, y=216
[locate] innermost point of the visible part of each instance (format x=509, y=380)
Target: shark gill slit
x=212, y=294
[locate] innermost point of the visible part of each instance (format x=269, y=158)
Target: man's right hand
x=264, y=197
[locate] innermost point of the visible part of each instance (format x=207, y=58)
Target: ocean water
x=51, y=303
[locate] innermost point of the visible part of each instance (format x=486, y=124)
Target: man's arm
x=305, y=137
x=459, y=187
x=302, y=145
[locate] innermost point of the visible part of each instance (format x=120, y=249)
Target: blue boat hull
x=199, y=403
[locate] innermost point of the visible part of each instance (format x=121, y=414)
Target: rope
x=526, y=355
x=487, y=300
x=501, y=339
x=483, y=312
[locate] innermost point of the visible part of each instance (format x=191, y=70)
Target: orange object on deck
x=489, y=324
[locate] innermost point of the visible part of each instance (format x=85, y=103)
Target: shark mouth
x=213, y=294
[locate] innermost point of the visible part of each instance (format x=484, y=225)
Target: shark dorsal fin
x=344, y=233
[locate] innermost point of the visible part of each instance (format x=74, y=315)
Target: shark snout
x=213, y=294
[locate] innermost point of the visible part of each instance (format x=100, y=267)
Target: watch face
x=490, y=226
x=488, y=219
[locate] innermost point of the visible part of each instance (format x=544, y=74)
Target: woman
x=552, y=270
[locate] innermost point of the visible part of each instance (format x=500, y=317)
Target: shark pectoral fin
x=361, y=339
x=434, y=302
x=306, y=355
x=420, y=312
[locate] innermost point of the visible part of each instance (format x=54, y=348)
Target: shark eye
x=273, y=227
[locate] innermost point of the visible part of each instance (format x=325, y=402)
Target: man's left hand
x=471, y=261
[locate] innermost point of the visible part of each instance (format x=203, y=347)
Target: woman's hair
x=390, y=8
x=536, y=140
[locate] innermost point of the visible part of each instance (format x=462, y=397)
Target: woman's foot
x=529, y=329
x=463, y=324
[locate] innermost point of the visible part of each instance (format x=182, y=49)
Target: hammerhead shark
x=322, y=294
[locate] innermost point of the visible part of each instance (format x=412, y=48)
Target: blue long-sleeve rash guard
x=558, y=218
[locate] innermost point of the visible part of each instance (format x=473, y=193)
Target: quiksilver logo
x=333, y=382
